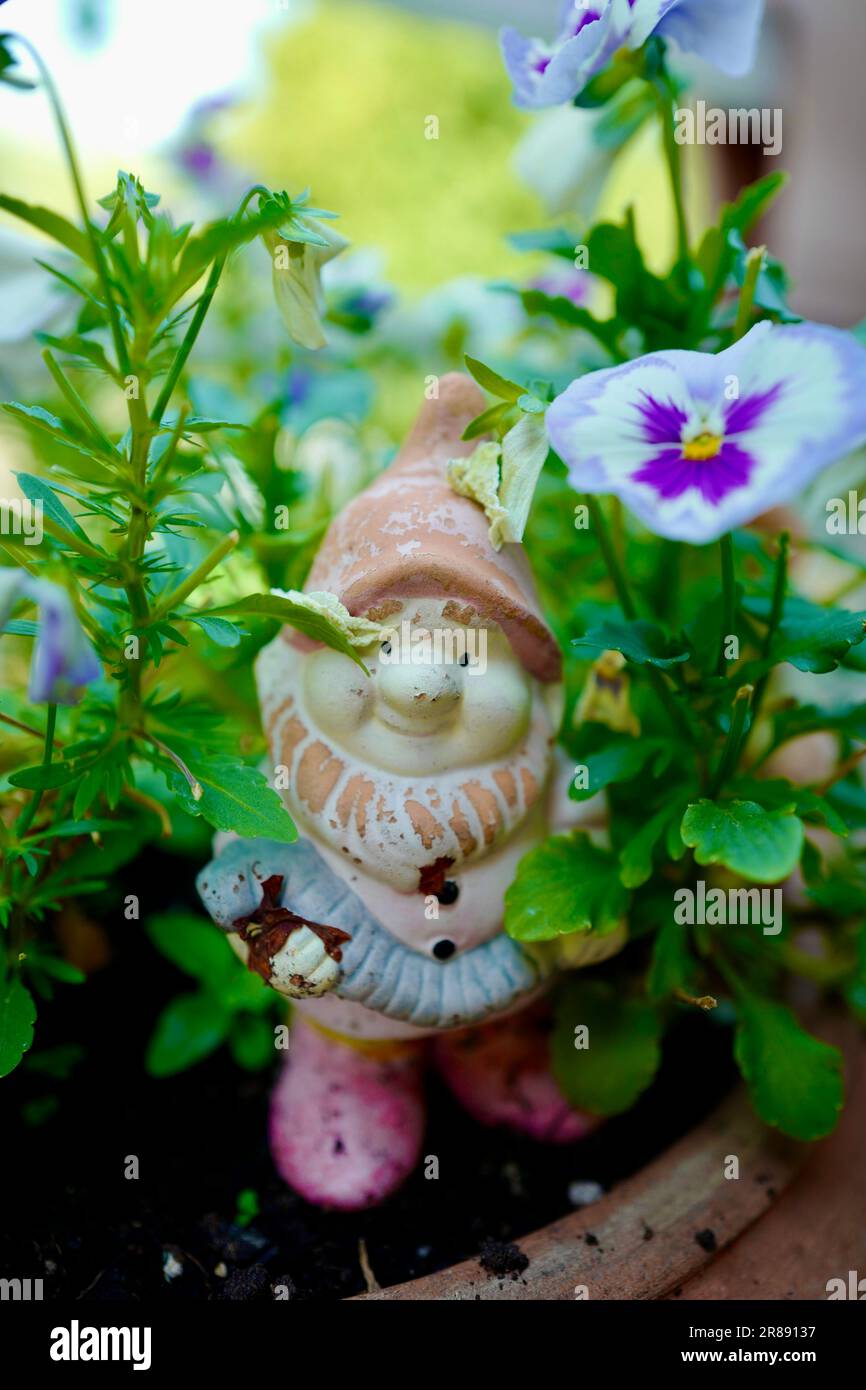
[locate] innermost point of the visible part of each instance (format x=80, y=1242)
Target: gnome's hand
x=246, y=889
x=294, y=955
x=302, y=967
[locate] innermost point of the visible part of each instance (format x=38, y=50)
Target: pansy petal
x=697, y=444
x=722, y=32
x=550, y=74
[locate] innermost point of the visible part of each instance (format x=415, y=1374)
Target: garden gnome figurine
x=416, y=790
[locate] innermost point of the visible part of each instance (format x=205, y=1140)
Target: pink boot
x=346, y=1124
x=501, y=1074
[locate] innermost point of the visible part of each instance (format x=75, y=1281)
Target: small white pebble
x=221, y=1271
x=583, y=1194
x=171, y=1266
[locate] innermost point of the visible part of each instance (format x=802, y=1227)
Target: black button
x=443, y=950
x=448, y=893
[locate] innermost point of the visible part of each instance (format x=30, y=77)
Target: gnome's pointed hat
x=409, y=535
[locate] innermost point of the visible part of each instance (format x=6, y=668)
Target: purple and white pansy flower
x=63, y=658
x=723, y=32
x=696, y=444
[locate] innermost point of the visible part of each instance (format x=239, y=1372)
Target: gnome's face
x=440, y=695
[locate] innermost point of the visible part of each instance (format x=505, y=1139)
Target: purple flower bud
x=63, y=658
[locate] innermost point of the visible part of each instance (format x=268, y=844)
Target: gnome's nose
x=422, y=694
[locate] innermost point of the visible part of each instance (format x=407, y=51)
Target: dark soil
x=72, y=1218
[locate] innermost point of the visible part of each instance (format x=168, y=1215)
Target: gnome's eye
x=464, y=660
x=386, y=648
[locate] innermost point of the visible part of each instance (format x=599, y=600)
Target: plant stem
x=75, y=172
x=25, y=820
x=608, y=550
x=194, y=785
x=25, y=728
x=754, y=266
x=611, y=558
x=734, y=742
x=779, y=586
x=193, y=580
x=666, y=97
x=729, y=598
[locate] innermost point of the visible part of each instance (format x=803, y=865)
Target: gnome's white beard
x=393, y=827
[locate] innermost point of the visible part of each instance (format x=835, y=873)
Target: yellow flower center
x=703, y=446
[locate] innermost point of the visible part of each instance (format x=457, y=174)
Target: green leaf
x=763, y=846
x=618, y=760
x=796, y=720
x=296, y=615
x=55, y=226
x=235, y=797
x=623, y=1052
x=566, y=885
x=57, y=968
x=67, y=435
x=219, y=630
x=723, y=244
x=17, y=1017
x=671, y=963
x=41, y=778
x=809, y=637
x=76, y=345
x=636, y=859
x=778, y=793
x=252, y=1042
x=38, y=491
x=194, y=945
x=795, y=1080
x=200, y=424
x=640, y=642
x=494, y=383
x=607, y=331
x=754, y=202
x=556, y=240
x=489, y=421
x=188, y=1030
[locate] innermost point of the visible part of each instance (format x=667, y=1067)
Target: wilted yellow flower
x=297, y=284
x=605, y=697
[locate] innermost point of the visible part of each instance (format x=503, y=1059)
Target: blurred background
x=202, y=99
x=199, y=97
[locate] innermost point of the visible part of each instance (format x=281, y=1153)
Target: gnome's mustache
x=399, y=826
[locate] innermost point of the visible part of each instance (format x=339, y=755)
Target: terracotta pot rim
x=679, y=1196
